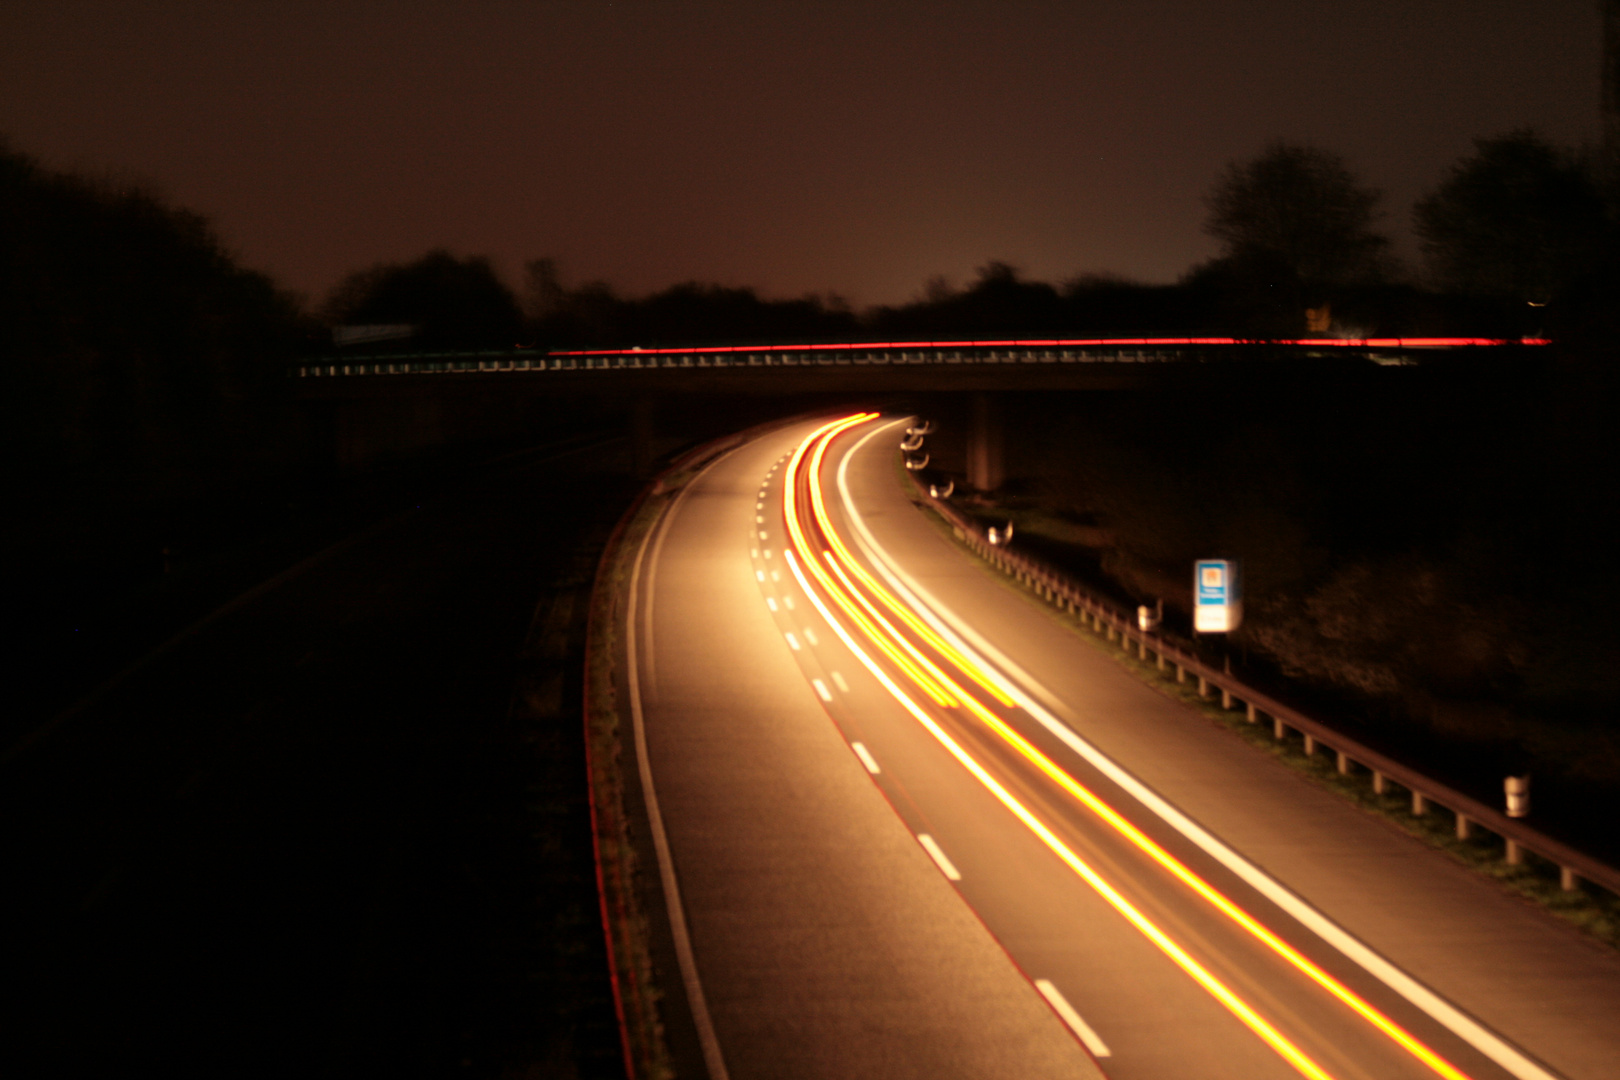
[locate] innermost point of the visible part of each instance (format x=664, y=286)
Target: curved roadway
x=922, y=828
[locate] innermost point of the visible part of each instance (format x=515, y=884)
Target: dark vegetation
x=345, y=832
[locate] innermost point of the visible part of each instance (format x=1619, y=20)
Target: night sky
x=856, y=148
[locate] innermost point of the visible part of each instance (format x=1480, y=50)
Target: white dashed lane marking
x=1060, y=1005
x=934, y=852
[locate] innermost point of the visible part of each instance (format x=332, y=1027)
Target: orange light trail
x=1213, y=985
x=841, y=561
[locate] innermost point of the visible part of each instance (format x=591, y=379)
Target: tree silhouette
x=456, y=303
x=1519, y=220
x=1297, y=225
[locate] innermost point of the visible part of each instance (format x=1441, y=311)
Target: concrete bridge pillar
x=984, y=464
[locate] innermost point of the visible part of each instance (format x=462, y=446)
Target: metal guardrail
x=1469, y=812
x=505, y=361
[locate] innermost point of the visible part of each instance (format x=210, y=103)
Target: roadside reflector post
x=1517, y=789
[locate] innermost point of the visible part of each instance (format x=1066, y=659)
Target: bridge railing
x=1382, y=771
x=465, y=363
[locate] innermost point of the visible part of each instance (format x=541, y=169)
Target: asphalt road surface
x=920, y=827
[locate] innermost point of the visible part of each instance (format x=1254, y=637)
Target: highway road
x=914, y=825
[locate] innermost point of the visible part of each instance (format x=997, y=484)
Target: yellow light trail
x=1217, y=989
x=821, y=440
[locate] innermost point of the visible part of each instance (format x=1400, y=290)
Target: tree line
x=1517, y=240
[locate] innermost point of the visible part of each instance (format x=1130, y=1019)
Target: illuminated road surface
x=852, y=729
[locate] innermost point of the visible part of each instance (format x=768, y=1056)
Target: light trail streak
x=1236, y=1005
x=843, y=564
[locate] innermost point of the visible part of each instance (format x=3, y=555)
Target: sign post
x=1217, y=596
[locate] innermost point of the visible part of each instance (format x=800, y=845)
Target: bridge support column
x=641, y=435
x=984, y=468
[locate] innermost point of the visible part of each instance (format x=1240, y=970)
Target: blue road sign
x=1217, y=596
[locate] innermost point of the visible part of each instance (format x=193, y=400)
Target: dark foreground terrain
x=341, y=831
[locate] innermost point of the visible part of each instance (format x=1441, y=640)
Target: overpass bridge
x=382, y=404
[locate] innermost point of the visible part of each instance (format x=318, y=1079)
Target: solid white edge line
x=1082, y=1030
x=712, y=1057
x=821, y=690
x=1453, y=1018
x=866, y=757
x=945, y=865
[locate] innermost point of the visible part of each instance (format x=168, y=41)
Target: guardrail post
x=1278, y=729
x=1515, y=855
x=1344, y=763
x=1160, y=655
x=1181, y=674
x=1203, y=687
x=1226, y=698
x=1250, y=715
x=1378, y=782
x=1568, y=879
x=1420, y=805
x=1310, y=745
x=1463, y=827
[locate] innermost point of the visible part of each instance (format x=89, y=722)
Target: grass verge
x=646, y=1050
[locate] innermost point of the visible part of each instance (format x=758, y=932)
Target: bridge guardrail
x=504, y=361
x=1062, y=591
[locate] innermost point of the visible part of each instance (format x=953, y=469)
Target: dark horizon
x=789, y=150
